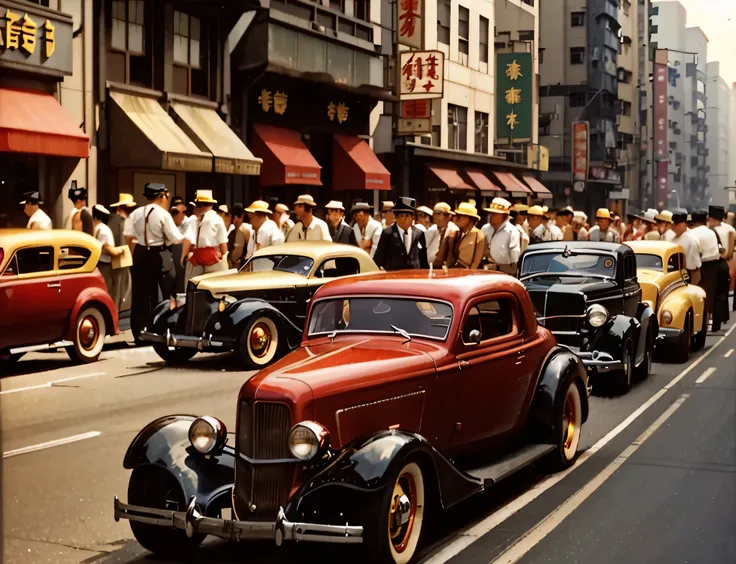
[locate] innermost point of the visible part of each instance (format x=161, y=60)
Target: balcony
x=701, y=96
x=700, y=75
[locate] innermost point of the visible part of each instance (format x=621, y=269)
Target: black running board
x=512, y=462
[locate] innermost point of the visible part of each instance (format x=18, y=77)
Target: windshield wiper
x=401, y=332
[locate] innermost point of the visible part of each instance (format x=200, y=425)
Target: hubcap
x=89, y=332
x=568, y=421
x=260, y=339
x=402, y=512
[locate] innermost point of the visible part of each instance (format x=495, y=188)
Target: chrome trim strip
x=31, y=348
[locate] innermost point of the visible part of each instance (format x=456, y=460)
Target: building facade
x=718, y=121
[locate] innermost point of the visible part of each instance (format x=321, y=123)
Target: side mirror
x=474, y=337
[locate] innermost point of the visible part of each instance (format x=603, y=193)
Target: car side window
x=629, y=268
x=492, y=318
x=71, y=257
x=342, y=266
x=33, y=260
x=674, y=262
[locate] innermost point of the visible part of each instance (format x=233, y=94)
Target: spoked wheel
x=89, y=336
x=395, y=535
x=259, y=343
x=568, y=427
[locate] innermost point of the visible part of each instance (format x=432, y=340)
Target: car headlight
x=207, y=434
x=597, y=315
x=667, y=317
x=224, y=302
x=307, y=439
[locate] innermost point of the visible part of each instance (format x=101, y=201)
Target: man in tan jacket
x=465, y=247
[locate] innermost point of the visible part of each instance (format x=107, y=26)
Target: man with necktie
x=402, y=245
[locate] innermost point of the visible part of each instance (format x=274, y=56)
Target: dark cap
x=679, y=215
x=31, y=198
x=77, y=193
x=176, y=200
x=717, y=212
x=361, y=206
x=405, y=204
x=238, y=210
x=153, y=189
x=700, y=216
x=565, y=211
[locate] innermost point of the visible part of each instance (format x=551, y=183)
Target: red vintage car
x=410, y=392
x=52, y=295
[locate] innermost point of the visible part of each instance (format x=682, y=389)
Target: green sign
x=514, y=97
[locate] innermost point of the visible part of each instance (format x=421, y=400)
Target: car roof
x=579, y=245
x=319, y=251
x=11, y=238
x=660, y=248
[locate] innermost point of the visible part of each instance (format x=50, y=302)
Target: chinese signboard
x=276, y=101
x=422, y=74
x=416, y=117
x=514, y=97
x=410, y=23
x=661, y=149
x=35, y=39
x=580, y=151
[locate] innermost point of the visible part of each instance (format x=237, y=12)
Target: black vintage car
x=588, y=295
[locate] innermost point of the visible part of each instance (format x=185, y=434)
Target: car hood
x=556, y=295
x=232, y=281
x=650, y=281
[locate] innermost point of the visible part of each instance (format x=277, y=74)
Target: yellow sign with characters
x=22, y=32
x=338, y=111
x=276, y=101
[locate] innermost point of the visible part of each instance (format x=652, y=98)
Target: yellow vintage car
x=680, y=306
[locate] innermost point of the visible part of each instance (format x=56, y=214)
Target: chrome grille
x=200, y=305
x=263, y=431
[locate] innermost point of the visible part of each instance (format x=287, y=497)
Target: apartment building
x=718, y=121
x=731, y=192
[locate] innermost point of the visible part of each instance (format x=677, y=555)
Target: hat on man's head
x=32, y=197
x=536, y=211
x=259, y=206
x=361, y=206
x=520, y=208
x=282, y=208
x=99, y=208
x=467, y=209
x=306, y=200
x=404, y=205
x=665, y=216
x=387, y=206
x=77, y=193
x=442, y=207
x=650, y=215
x=204, y=197
x=499, y=205
x=128, y=201
x=153, y=189
x=603, y=213
x=425, y=210
x=222, y=208
x=717, y=212
x=679, y=215
x=565, y=211
x=700, y=216
x=334, y=205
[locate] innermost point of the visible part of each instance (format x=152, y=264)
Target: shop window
x=191, y=55
x=577, y=55
x=483, y=39
x=481, y=132
x=129, y=58
x=463, y=30
x=443, y=22
x=577, y=19
x=457, y=127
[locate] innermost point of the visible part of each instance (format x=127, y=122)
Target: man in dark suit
x=340, y=231
x=402, y=245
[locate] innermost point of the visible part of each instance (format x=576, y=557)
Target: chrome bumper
x=667, y=335
x=193, y=523
x=182, y=341
x=600, y=362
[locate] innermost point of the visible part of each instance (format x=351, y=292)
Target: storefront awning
x=286, y=159
x=231, y=154
x=481, y=181
x=512, y=184
x=144, y=135
x=34, y=122
x=450, y=178
x=356, y=167
x=539, y=189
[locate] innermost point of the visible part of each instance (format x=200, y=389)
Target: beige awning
x=144, y=135
x=231, y=154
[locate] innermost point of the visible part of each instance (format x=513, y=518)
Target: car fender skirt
x=559, y=368
x=357, y=477
x=235, y=317
x=165, y=443
x=611, y=337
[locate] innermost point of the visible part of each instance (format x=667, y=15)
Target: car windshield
x=574, y=263
x=284, y=263
x=652, y=262
x=419, y=318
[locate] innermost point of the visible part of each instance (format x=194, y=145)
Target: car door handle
x=54, y=285
x=462, y=364
x=520, y=357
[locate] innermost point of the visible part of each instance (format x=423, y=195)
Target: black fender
x=232, y=321
x=648, y=320
x=350, y=486
x=164, y=318
x=610, y=338
x=559, y=367
x=164, y=443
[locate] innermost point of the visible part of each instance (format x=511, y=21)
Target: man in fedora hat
x=424, y=218
x=340, y=231
x=564, y=223
x=466, y=247
x=367, y=230
x=37, y=218
x=725, y=234
x=402, y=245
x=710, y=256
x=649, y=221
x=603, y=231
x=121, y=276
x=281, y=218
x=689, y=244
x=387, y=214
x=239, y=238
x=153, y=265
x=265, y=231
x=504, y=240
x=80, y=218
x=205, y=246
x=307, y=227
x=538, y=232
x=441, y=228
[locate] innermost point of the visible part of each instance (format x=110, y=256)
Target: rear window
x=72, y=257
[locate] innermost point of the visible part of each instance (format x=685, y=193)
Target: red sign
x=661, y=151
x=580, y=150
x=413, y=109
x=410, y=23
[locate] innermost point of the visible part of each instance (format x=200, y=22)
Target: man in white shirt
x=726, y=234
x=689, y=244
x=424, y=218
x=441, y=228
x=538, y=232
x=100, y=217
x=37, y=218
x=555, y=232
x=387, y=214
x=603, y=231
x=664, y=226
x=308, y=227
x=504, y=240
x=366, y=229
x=153, y=266
x=205, y=246
x=265, y=231
x=710, y=255
x=282, y=219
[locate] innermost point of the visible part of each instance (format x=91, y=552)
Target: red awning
x=537, y=187
x=450, y=178
x=34, y=122
x=286, y=159
x=481, y=181
x=356, y=167
x=511, y=183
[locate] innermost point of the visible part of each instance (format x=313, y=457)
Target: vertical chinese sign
x=410, y=23
x=580, y=153
x=422, y=74
x=661, y=150
x=514, y=97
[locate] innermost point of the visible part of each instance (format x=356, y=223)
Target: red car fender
x=101, y=298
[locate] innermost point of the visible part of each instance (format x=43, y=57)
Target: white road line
x=49, y=444
x=473, y=533
x=729, y=353
x=705, y=375
x=52, y=383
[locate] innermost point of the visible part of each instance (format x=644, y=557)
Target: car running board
x=31, y=348
x=512, y=462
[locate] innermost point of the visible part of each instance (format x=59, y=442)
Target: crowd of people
x=169, y=246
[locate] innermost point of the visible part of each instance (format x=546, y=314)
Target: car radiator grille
x=564, y=305
x=263, y=431
x=200, y=306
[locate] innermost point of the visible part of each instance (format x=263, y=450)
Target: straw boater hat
x=102, y=209
x=467, y=209
x=203, y=197
x=387, y=206
x=650, y=215
x=566, y=211
x=306, y=200
x=603, y=213
x=222, y=208
x=335, y=205
x=259, y=206
x=580, y=215
x=664, y=215
x=125, y=200
x=498, y=205
x=282, y=208
x=520, y=208
x=425, y=210
x=442, y=207
x=536, y=211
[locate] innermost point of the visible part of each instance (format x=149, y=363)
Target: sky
x=717, y=19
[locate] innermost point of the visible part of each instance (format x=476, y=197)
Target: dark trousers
x=153, y=270
x=723, y=281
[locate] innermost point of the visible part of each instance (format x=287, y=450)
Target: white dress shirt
x=692, y=251
x=420, y=227
x=608, y=236
x=208, y=231
x=317, y=231
x=406, y=237
x=708, y=243
x=504, y=246
x=39, y=220
x=372, y=232
x=669, y=235
x=269, y=234
x=104, y=235
x=540, y=233
x=524, y=237
x=433, y=239
x=161, y=227
x=555, y=232
x=724, y=230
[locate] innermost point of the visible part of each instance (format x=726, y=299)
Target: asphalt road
x=656, y=481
